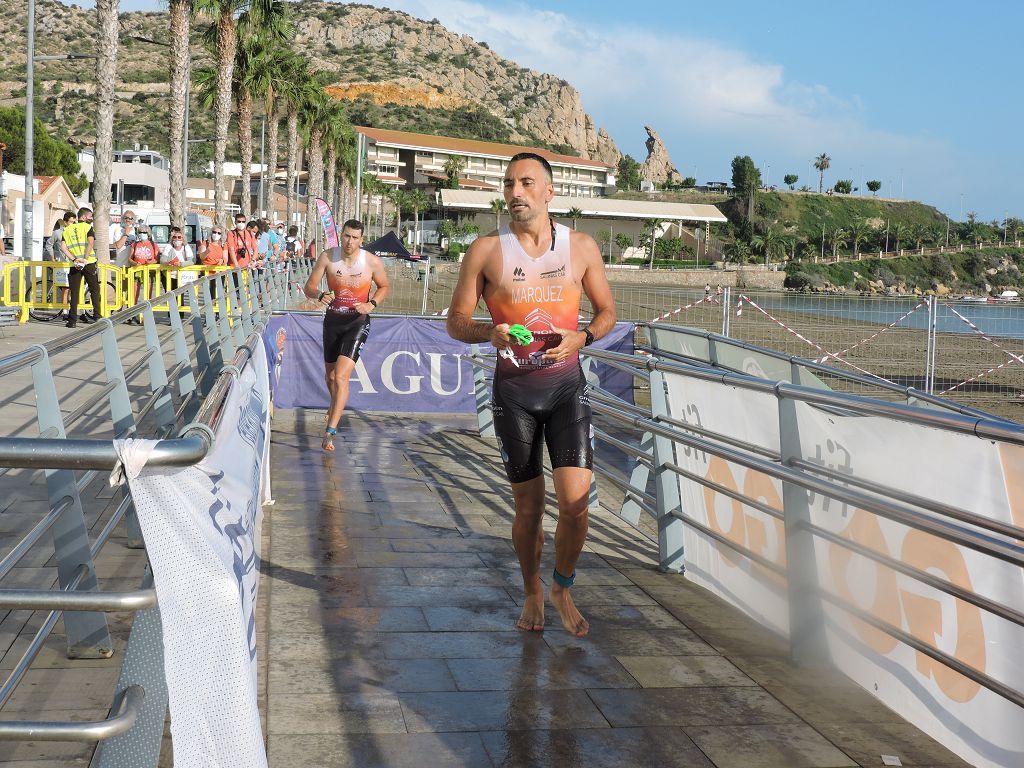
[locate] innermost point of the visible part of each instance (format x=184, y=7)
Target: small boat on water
x=1007, y=296
x=979, y=299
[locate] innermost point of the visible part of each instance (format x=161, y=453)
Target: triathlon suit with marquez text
x=538, y=401
x=345, y=330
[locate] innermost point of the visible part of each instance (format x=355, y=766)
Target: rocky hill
x=392, y=70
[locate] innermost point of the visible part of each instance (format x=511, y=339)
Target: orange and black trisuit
x=535, y=400
x=345, y=329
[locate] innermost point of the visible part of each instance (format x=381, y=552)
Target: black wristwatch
x=371, y=301
x=590, y=337
x=321, y=296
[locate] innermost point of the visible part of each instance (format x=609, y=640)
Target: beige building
x=409, y=160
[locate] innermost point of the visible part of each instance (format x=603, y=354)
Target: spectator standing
x=177, y=253
x=143, y=252
x=78, y=245
x=214, y=254
x=241, y=245
x=121, y=238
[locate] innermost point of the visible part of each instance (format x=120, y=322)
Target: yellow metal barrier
x=43, y=286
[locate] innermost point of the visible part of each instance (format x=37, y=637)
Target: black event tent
x=390, y=245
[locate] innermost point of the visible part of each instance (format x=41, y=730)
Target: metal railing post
x=807, y=641
x=163, y=408
x=85, y=631
x=202, y=349
x=426, y=288
x=229, y=317
x=933, y=325
x=592, y=379
x=670, y=527
x=726, y=306
x=630, y=511
x=484, y=416
x=186, y=379
x=143, y=666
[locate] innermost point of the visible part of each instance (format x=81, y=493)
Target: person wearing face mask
x=241, y=245
x=177, y=253
x=143, y=252
x=214, y=254
x=121, y=238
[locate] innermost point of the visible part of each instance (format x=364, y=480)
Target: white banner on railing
x=201, y=526
x=751, y=587
x=962, y=471
x=959, y=470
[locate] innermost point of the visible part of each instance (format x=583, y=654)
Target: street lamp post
x=27, y=200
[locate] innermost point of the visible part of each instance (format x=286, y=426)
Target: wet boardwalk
x=388, y=600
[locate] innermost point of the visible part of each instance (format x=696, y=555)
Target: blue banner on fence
x=407, y=365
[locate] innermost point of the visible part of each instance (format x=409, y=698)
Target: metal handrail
x=900, y=513
x=985, y=427
x=88, y=456
x=80, y=453
x=128, y=707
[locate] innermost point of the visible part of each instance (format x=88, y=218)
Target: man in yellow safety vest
x=77, y=246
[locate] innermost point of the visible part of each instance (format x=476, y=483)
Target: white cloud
x=708, y=100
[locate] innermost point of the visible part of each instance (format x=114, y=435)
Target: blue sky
x=924, y=96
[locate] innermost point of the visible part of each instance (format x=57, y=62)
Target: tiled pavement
x=390, y=591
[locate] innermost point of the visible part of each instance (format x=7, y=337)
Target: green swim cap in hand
x=520, y=334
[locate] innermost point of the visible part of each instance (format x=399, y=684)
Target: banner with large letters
x=201, y=525
x=959, y=470
x=407, y=365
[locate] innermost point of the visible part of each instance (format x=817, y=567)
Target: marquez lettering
x=541, y=294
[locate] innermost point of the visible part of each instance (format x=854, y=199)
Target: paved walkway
x=391, y=589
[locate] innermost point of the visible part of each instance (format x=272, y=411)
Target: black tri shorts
x=543, y=407
x=344, y=335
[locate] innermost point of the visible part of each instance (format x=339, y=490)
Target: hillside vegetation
x=975, y=271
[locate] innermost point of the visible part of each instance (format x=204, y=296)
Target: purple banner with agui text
x=407, y=365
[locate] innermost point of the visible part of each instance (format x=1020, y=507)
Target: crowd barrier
x=171, y=389
x=39, y=289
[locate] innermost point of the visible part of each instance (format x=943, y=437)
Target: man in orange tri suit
x=350, y=272
x=532, y=272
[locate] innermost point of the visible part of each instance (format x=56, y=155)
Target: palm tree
x=417, y=201
x=859, y=232
x=770, y=244
x=454, y=166
x=937, y=235
x=822, y=162
x=899, y=231
x=337, y=136
x=919, y=233
x=315, y=114
x=654, y=225
x=180, y=32
x=222, y=13
x=268, y=74
x=838, y=239
x=106, y=74
x=397, y=198
x=296, y=91
x=497, y=207
x=263, y=28
x=575, y=214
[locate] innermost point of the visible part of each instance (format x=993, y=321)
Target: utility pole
x=28, y=202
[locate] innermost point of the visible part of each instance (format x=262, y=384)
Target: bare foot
x=532, y=617
x=573, y=622
x=328, y=442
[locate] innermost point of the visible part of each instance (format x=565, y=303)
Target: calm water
x=1005, y=320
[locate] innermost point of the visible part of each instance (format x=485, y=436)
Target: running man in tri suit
x=350, y=272
x=532, y=272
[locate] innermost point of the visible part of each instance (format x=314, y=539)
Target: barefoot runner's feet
x=573, y=622
x=328, y=441
x=532, y=617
